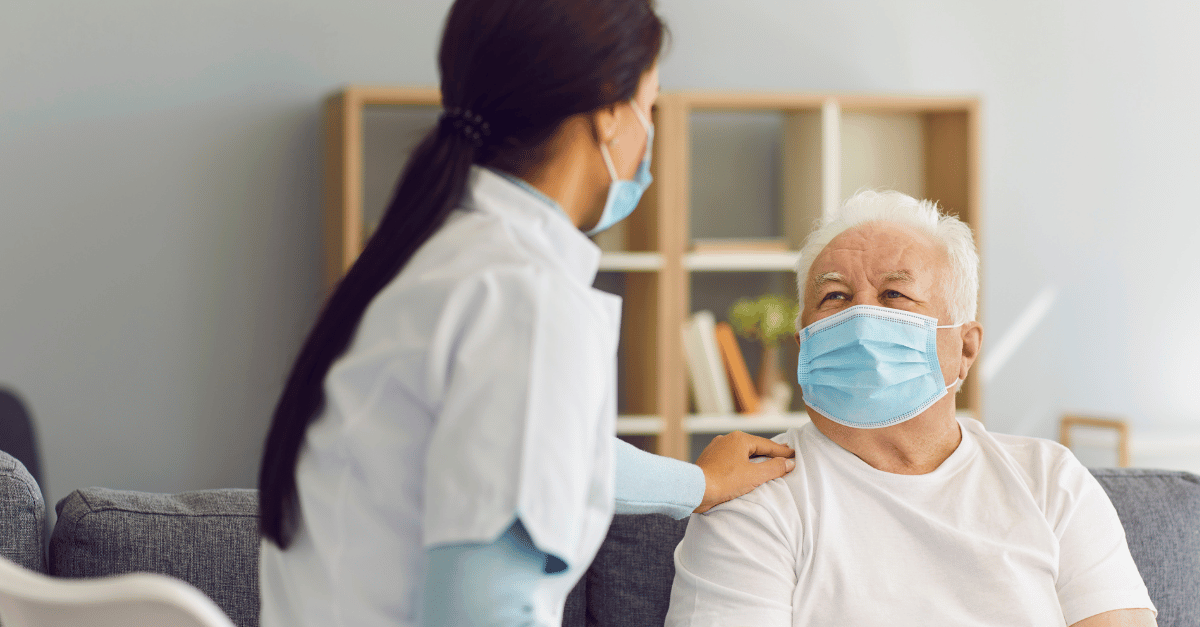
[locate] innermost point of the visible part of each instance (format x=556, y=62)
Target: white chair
x=30, y=599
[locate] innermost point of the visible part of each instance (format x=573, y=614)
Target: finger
x=774, y=469
x=763, y=446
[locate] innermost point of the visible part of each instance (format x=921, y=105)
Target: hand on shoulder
x=730, y=471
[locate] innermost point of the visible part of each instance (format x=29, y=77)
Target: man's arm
x=1120, y=618
x=736, y=564
x=1097, y=577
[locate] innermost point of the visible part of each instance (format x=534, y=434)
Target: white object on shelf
x=741, y=262
x=630, y=262
x=706, y=372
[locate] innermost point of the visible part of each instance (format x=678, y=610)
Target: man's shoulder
x=1045, y=466
x=1027, y=451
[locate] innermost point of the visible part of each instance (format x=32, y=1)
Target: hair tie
x=469, y=123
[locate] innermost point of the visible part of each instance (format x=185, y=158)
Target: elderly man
x=898, y=512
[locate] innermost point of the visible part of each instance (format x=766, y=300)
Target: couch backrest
x=210, y=539
x=1160, y=511
x=629, y=582
x=207, y=538
x=22, y=516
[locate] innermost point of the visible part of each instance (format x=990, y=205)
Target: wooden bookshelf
x=829, y=145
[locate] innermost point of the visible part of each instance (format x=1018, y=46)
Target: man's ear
x=797, y=336
x=972, y=342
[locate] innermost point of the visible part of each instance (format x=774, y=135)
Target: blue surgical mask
x=623, y=196
x=871, y=367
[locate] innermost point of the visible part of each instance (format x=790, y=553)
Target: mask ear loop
x=637, y=110
x=608, y=162
x=612, y=171
x=957, y=381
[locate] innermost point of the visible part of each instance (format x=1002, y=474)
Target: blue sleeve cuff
x=483, y=584
x=652, y=484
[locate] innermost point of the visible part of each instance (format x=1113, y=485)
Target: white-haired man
x=898, y=512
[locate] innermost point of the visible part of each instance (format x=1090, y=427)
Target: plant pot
x=768, y=371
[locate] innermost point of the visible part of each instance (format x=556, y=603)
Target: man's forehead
x=885, y=251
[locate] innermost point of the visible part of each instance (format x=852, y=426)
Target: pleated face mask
x=623, y=196
x=869, y=367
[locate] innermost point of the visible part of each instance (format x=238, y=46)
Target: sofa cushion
x=207, y=538
x=22, y=516
x=1160, y=511
x=576, y=607
x=629, y=582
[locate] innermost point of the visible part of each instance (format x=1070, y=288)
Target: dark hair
x=521, y=66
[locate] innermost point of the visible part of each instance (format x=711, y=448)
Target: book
x=744, y=392
x=709, y=383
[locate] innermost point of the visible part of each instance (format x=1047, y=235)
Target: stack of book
x=717, y=372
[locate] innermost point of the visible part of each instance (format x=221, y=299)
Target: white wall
x=159, y=197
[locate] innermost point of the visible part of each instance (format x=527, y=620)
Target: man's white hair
x=962, y=290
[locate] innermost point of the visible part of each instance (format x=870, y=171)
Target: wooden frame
x=344, y=167
x=1120, y=426
x=657, y=290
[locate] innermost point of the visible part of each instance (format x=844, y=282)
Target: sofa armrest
x=208, y=538
x=22, y=516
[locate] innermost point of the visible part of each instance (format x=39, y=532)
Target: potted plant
x=767, y=320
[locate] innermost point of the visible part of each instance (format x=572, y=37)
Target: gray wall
x=159, y=197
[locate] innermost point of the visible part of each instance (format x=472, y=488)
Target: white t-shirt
x=480, y=386
x=1007, y=531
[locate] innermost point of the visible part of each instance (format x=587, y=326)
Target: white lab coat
x=480, y=386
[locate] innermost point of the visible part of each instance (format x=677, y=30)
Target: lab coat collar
x=544, y=227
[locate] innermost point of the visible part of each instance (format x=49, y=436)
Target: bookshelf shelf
x=750, y=423
x=741, y=262
x=630, y=262
x=715, y=424
x=639, y=425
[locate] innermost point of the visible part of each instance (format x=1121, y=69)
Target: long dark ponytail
x=521, y=66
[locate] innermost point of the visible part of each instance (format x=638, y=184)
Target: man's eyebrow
x=898, y=275
x=829, y=277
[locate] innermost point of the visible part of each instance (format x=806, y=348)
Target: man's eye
x=890, y=294
x=833, y=296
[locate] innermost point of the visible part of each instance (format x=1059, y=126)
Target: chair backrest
x=29, y=599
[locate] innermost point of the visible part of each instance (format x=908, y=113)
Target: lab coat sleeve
x=527, y=377
x=653, y=484
x=736, y=564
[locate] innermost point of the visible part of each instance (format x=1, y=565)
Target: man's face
x=886, y=265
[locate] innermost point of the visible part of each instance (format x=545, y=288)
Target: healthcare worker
x=443, y=450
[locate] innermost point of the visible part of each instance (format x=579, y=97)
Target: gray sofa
x=209, y=538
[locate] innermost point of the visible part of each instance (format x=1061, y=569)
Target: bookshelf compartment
x=882, y=151
x=390, y=133
x=735, y=174
x=718, y=291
